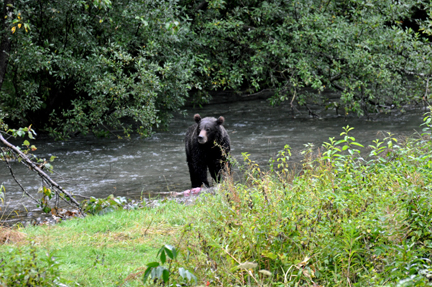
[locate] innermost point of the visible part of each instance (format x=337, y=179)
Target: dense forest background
x=70, y=67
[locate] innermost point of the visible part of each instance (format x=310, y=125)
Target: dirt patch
x=8, y=235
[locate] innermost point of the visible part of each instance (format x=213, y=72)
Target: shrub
x=347, y=219
x=27, y=267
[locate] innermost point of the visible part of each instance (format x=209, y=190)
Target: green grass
x=104, y=250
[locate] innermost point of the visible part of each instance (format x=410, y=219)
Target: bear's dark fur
x=203, y=142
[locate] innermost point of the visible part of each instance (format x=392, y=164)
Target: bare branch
x=416, y=74
x=41, y=173
x=13, y=176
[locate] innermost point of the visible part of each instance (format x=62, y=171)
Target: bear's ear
x=197, y=118
x=220, y=120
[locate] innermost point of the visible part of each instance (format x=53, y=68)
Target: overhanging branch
x=38, y=170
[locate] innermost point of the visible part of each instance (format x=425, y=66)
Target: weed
x=159, y=272
x=27, y=267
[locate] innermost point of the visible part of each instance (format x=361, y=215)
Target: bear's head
x=208, y=128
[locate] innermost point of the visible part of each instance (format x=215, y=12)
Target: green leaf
x=165, y=275
x=171, y=251
x=157, y=272
x=182, y=272
x=163, y=257
x=147, y=273
x=152, y=264
x=270, y=255
x=190, y=276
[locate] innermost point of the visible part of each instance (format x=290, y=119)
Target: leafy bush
x=27, y=267
x=347, y=219
x=362, y=50
x=160, y=273
x=103, y=205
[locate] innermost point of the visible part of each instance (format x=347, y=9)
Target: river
x=138, y=167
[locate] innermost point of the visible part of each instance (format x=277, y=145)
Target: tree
x=361, y=49
x=85, y=66
x=98, y=65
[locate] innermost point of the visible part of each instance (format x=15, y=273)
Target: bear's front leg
x=198, y=174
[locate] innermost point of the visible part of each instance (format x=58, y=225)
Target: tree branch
x=13, y=176
x=416, y=74
x=41, y=173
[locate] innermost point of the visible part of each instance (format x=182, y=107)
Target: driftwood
x=34, y=167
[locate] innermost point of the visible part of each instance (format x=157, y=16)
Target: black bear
x=207, y=145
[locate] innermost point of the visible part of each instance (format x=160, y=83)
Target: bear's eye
x=207, y=129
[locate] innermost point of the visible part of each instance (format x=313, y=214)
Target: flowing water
x=138, y=168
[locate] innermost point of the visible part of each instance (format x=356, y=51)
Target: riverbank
x=344, y=220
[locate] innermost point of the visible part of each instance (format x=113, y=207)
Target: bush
x=346, y=219
x=26, y=267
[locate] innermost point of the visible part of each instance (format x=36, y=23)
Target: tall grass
x=349, y=218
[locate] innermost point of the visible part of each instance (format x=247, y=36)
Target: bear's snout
x=202, y=137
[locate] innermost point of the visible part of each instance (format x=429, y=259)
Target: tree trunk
x=5, y=44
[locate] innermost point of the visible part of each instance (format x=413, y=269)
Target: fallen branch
x=13, y=176
x=38, y=170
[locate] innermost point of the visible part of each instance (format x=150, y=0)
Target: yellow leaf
x=13, y=29
x=19, y=25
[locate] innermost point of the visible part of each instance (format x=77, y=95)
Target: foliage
x=98, y=66
x=84, y=66
x=363, y=50
x=351, y=217
x=160, y=273
x=2, y=191
x=27, y=267
x=103, y=205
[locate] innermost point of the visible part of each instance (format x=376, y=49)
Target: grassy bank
x=344, y=219
x=102, y=250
